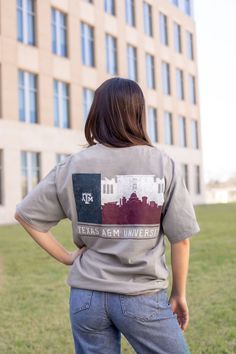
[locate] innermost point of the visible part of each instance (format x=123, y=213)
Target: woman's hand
x=73, y=255
x=180, y=308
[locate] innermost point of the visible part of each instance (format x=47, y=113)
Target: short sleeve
x=41, y=207
x=178, y=218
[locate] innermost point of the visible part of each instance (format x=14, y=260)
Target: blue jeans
x=98, y=318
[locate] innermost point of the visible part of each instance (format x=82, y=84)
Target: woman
x=122, y=196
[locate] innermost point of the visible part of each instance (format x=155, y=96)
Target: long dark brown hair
x=117, y=115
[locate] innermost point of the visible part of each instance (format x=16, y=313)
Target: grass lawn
x=34, y=317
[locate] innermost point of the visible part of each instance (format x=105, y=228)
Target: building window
x=177, y=38
x=88, y=95
x=175, y=2
x=89, y=1
x=185, y=174
x=197, y=180
x=61, y=104
x=150, y=71
x=152, y=124
x=109, y=7
x=27, y=88
x=1, y=177
x=87, y=44
x=147, y=19
x=194, y=131
x=166, y=78
x=182, y=132
x=111, y=54
x=180, y=84
x=168, y=128
x=130, y=12
x=26, y=21
x=30, y=171
x=163, y=29
x=188, y=9
x=189, y=40
x=192, y=89
x=59, y=32
x=61, y=157
x=132, y=63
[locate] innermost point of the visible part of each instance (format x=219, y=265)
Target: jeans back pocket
x=146, y=307
x=80, y=299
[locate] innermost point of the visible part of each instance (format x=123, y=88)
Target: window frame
x=60, y=98
x=166, y=80
x=57, y=25
x=27, y=91
x=85, y=91
x=29, y=171
x=109, y=8
x=153, y=125
x=168, y=139
x=182, y=131
x=150, y=65
x=147, y=19
x=178, y=38
x=25, y=12
x=130, y=14
x=134, y=60
x=164, y=31
x=111, y=44
x=87, y=33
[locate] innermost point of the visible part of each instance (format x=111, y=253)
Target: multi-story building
x=54, y=54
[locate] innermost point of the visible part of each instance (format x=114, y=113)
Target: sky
x=216, y=55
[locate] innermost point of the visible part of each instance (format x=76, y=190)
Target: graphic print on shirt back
x=122, y=206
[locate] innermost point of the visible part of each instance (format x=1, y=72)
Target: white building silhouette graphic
x=114, y=189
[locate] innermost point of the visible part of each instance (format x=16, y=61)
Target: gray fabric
x=121, y=203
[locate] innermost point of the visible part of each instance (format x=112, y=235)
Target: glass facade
x=168, y=126
x=163, y=29
x=87, y=44
x=30, y=171
x=87, y=100
x=147, y=19
x=111, y=54
x=26, y=21
x=150, y=71
x=166, y=78
x=61, y=104
x=132, y=62
x=130, y=12
x=59, y=32
x=27, y=96
x=152, y=124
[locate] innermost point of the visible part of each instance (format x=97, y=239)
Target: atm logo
x=87, y=198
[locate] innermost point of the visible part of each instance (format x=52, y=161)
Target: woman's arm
x=179, y=264
x=47, y=241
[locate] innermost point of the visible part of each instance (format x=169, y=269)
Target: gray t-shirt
x=121, y=203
